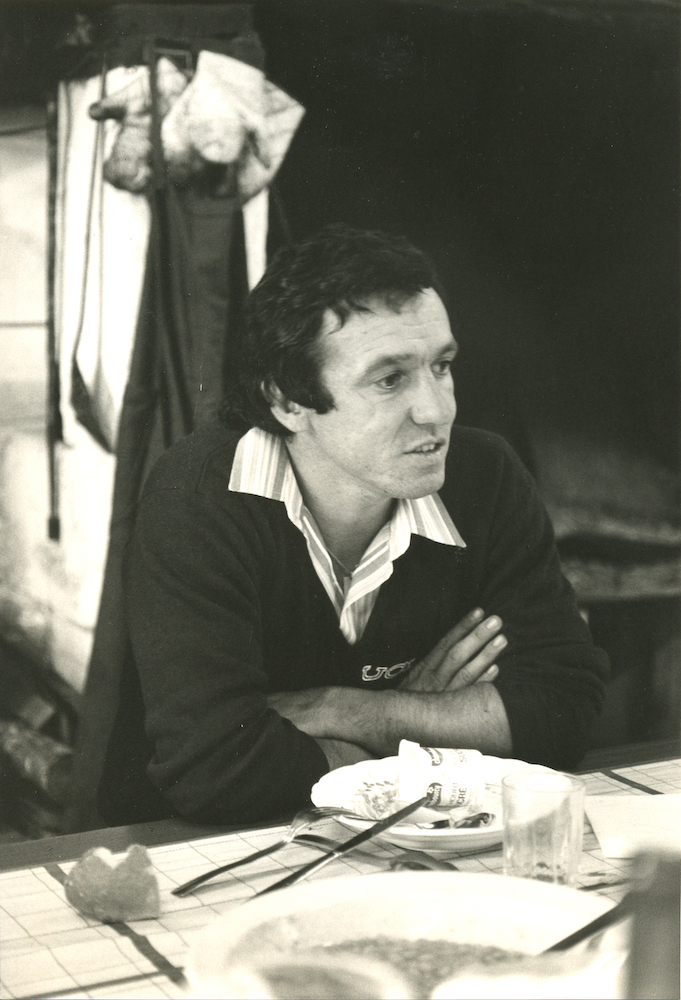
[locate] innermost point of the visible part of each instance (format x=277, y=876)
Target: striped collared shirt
x=262, y=467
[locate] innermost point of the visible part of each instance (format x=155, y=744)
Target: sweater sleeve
x=194, y=585
x=551, y=676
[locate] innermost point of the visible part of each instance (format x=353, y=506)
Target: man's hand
x=307, y=709
x=463, y=657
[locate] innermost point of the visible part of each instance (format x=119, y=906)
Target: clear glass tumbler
x=543, y=815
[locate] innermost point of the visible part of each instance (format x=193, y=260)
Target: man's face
x=389, y=376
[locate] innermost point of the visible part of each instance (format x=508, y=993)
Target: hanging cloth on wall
x=101, y=239
x=93, y=410
x=194, y=285
x=223, y=129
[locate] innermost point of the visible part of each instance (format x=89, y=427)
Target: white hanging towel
x=102, y=238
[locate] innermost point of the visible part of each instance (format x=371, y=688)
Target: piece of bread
x=111, y=889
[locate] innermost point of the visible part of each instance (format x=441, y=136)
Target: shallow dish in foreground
x=515, y=914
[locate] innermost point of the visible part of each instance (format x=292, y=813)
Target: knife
x=618, y=912
x=349, y=845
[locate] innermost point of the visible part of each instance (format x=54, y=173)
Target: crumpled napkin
x=627, y=824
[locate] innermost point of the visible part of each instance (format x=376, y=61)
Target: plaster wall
x=49, y=590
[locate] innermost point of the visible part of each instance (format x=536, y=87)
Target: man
x=349, y=571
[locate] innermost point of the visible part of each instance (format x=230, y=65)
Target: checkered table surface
x=48, y=950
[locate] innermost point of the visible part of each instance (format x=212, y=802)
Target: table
x=49, y=950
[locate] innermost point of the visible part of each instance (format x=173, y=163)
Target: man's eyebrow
x=390, y=360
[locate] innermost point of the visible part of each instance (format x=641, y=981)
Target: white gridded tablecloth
x=47, y=949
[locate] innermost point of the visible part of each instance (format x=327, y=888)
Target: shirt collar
x=262, y=467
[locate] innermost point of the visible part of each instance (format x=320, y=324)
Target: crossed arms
x=442, y=701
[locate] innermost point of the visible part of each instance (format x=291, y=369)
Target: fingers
x=453, y=675
x=490, y=674
x=463, y=656
x=479, y=646
x=436, y=657
x=455, y=634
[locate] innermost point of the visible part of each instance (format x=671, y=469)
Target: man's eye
x=444, y=367
x=389, y=381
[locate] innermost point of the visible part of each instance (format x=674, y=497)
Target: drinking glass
x=543, y=825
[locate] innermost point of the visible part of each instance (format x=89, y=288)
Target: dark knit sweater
x=224, y=606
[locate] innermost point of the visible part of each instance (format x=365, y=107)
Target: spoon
x=476, y=820
x=419, y=860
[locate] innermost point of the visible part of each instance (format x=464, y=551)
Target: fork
x=302, y=819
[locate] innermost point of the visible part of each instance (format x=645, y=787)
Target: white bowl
x=516, y=914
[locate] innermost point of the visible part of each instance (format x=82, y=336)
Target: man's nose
x=433, y=401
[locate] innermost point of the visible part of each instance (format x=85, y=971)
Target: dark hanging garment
x=194, y=286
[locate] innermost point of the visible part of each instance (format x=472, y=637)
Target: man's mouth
x=427, y=448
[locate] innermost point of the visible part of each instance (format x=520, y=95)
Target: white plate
x=339, y=787
x=517, y=914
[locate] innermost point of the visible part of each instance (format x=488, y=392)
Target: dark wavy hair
x=339, y=269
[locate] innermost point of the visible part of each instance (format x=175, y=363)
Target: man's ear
x=291, y=415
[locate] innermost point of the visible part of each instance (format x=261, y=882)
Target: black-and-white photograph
x=340, y=520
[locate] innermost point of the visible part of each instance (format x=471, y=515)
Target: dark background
x=536, y=157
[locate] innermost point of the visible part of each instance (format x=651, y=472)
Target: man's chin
x=421, y=487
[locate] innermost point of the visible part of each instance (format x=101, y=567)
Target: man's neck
x=348, y=523
x=346, y=537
